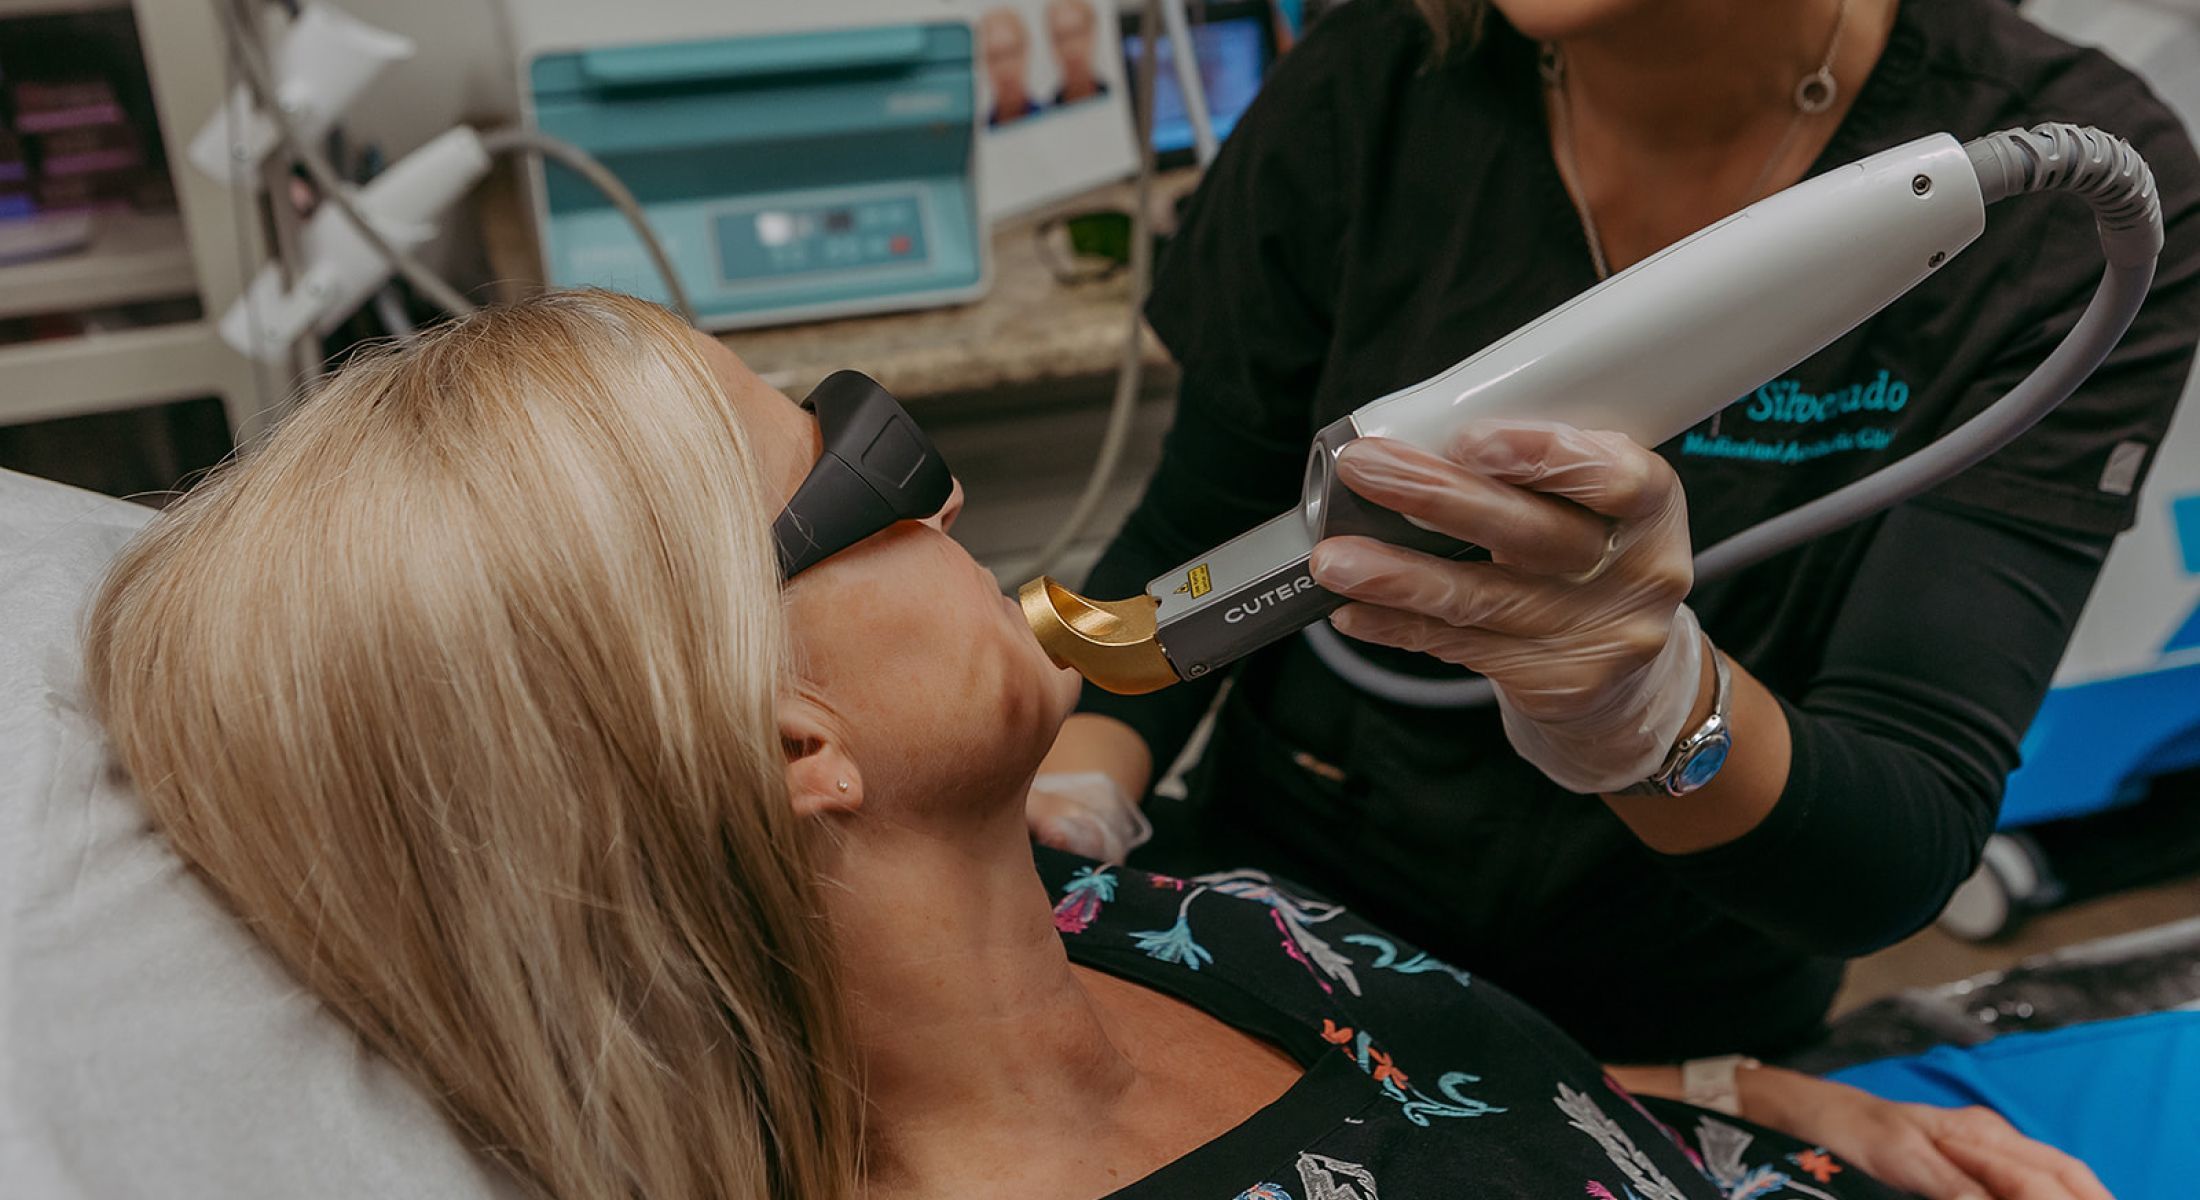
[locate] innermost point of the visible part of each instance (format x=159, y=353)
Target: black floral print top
x=1421, y=1079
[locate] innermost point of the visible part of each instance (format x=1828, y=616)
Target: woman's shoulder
x=1309, y=974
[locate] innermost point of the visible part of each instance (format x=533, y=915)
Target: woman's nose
x=944, y=519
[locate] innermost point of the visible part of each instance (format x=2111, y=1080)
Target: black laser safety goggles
x=878, y=469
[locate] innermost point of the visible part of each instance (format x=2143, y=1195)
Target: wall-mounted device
x=791, y=175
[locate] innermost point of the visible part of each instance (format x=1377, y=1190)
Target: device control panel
x=773, y=242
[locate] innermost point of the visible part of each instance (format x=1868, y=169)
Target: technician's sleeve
x=1907, y=731
x=1242, y=301
x=1905, y=735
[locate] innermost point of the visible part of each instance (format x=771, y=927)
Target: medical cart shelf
x=102, y=371
x=133, y=257
x=206, y=249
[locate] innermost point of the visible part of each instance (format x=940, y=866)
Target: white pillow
x=148, y=1045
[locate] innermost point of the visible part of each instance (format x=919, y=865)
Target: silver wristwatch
x=1699, y=753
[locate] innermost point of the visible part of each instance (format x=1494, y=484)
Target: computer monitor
x=1235, y=42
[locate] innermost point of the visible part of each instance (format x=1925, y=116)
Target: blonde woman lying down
x=478, y=694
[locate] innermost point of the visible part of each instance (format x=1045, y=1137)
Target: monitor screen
x=1233, y=55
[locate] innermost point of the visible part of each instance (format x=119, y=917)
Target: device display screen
x=1233, y=55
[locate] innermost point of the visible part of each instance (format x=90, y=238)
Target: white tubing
x=1130, y=371
x=523, y=140
x=1188, y=83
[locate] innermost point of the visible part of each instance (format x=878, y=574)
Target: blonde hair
x=460, y=690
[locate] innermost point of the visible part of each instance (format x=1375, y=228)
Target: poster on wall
x=1054, y=100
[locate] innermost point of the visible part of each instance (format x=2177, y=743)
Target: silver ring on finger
x=1611, y=552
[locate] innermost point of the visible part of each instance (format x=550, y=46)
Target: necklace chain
x=1814, y=94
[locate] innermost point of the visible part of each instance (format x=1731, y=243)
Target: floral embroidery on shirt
x=1671, y=1134
x=1295, y=917
x=1386, y=958
x=1417, y=1106
x=1328, y=1178
x=1082, y=897
x=1723, y=1147
x=1816, y=1163
x=1292, y=916
x=1176, y=943
x=1583, y=1114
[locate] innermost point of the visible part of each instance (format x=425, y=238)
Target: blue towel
x=2122, y=1095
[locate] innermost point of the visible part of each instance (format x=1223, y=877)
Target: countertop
x=1029, y=330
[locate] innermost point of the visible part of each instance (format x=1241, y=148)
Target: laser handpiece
x=1773, y=284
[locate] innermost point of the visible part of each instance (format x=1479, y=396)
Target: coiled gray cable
x=524, y=140
x=2098, y=167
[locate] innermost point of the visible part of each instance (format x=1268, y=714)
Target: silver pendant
x=1816, y=92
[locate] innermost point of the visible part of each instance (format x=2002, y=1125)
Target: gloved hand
x=1085, y=812
x=1577, y=621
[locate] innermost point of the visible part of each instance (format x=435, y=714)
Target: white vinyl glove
x=1577, y=619
x=1086, y=812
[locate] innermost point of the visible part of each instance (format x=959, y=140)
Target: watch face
x=1704, y=761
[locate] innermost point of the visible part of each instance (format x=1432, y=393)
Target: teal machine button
x=791, y=176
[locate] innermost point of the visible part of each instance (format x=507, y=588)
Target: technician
x=1417, y=180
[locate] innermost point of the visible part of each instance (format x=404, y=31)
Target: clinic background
x=1017, y=380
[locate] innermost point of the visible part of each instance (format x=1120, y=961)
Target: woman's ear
x=821, y=778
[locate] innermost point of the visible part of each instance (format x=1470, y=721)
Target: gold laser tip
x=1110, y=642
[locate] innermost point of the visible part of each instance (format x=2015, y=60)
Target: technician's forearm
x=1862, y=849
x=1096, y=742
x=1649, y=1081
x=1898, y=744
x=1743, y=793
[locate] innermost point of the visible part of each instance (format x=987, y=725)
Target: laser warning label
x=1198, y=582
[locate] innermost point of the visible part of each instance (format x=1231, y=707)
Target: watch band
x=1714, y=726
x=1714, y=1083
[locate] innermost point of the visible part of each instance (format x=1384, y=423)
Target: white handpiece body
x=1647, y=353
x=1673, y=339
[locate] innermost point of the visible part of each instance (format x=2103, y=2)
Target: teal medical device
x=791, y=175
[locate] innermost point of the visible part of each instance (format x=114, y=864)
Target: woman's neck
x=1696, y=75
x=1685, y=111
x=979, y=1039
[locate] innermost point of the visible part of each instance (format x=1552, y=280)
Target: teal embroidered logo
x=1787, y=424
x=1783, y=401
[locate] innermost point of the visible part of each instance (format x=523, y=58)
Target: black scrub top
x=1422, y=1080
x=1376, y=218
